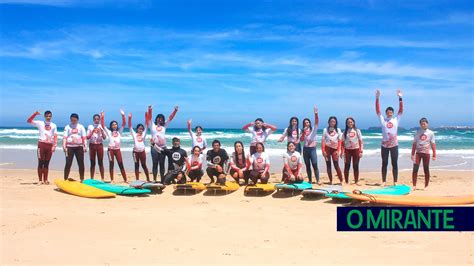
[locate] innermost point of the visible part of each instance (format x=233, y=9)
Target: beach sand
x=40, y=225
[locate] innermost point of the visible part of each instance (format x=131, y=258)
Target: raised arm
x=316, y=117
x=130, y=121
x=123, y=121
x=172, y=115
x=400, y=102
x=30, y=119
x=189, y=128
x=150, y=116
x=377, y=102
x=102, y=123
x=272, y=127
x=246, y=127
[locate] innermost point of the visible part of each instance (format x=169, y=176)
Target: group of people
x=249, y=168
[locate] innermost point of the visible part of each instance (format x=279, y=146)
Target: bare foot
x=46, y=182
x=413, y=188
x=426, y=188
x=320, y=183
x=357, y=184
x=383, y=184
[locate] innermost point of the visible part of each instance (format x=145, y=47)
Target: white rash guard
x=389, y=131
x=260, y=161
x=295, y=134
x=73, y=135
x=352, y=140
x=309, y=137
x=47, y=131
x=332, y=138
x=423, y=140
x=259, y=135
x=138, y=140
x=96, y=136
x=293, y=159
x=114, y=138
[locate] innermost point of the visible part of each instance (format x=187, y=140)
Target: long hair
x=162, y=123
x=310, y=127
x=261, y=144
x=332, y=117
x=110, y=125
x=235, y=150
x=288, y=132
x=347, y=128
x=255, y=127
x=199, y=148
x=288, y=145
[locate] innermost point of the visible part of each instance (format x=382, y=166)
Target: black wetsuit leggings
x=394, y=159
x=158, y=158
x=79, y=153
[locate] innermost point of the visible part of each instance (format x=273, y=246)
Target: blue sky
x=227, y=62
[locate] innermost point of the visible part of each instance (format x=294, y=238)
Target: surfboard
x=414, y=200
x=321, y=191
x=228, y=187
x=117, y=189
x=190, y=186
x=259, y=188
x=82, y=190
x=294, y=186
x=146, y=185
x=397, y=190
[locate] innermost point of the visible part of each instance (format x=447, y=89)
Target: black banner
x=405, y=218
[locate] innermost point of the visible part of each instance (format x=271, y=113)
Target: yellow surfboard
x=197, y=186
x=229, y=186
x=413, y=200
x=82, y=190
x=260, y=188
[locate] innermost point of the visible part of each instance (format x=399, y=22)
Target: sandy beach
x=40, y=225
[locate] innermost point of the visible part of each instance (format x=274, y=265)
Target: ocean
x=455, y=146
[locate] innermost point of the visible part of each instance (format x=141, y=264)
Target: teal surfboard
x=117, y=189
x=397, y=190
x=294, y=186
x=321, y=191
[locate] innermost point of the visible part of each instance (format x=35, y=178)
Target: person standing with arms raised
x=260, y=132
x=158, y=141
x=389, y=136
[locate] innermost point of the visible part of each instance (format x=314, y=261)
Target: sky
x=225, y=63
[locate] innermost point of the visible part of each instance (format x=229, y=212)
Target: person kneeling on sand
x=292, y=164
x=176, y=163
x=216, y=162
x=260, y=163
